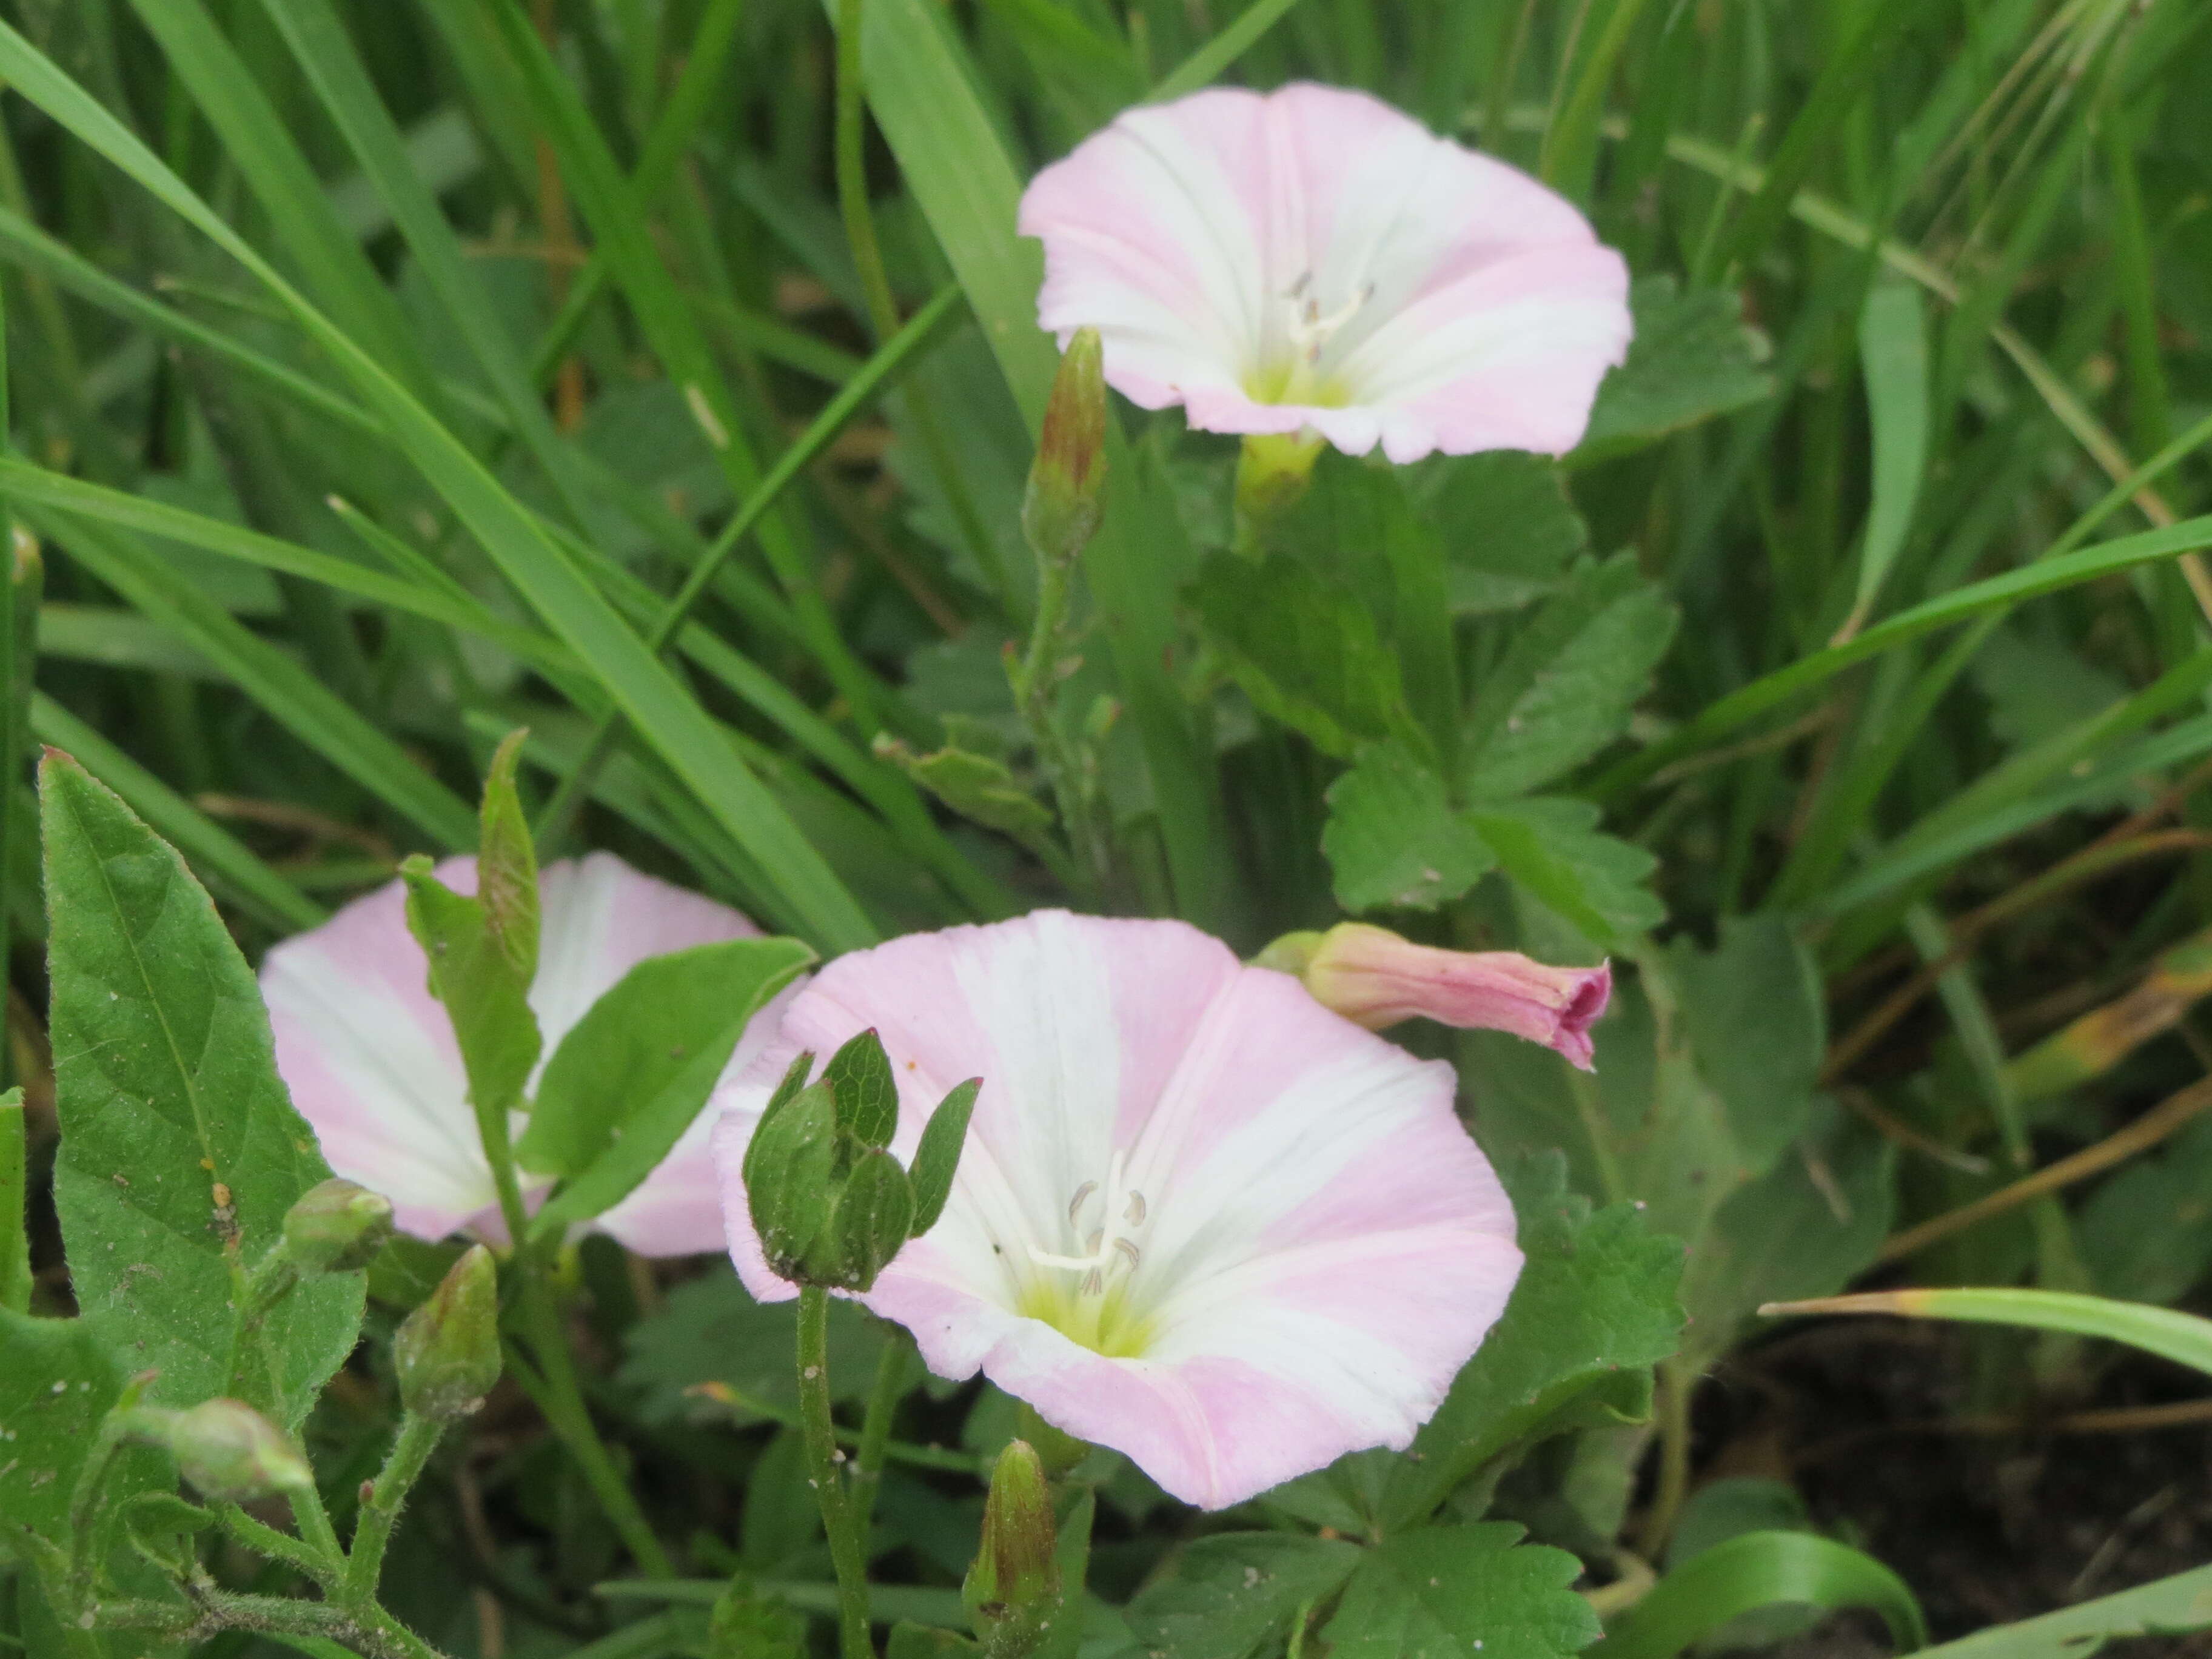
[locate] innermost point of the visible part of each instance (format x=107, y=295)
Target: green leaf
x=2146, y=1234
x=1594, y=1302
x=57, y=1379
x=1224, y=1597
x=1306, y=654
x=937, y=1159
x=708, y=1330
x=1509, y=531
x=1759, y=1570
x=506, y=863
x=1564, y=687
x=632, y=1076
x=980, y=789
x=178, y=1143
x=1693, y=358
x=485, y=997
x=1446, y=1592
x=1551, y=847
x=747, y=1624
x=1393, y=840
x=14, y=1241
x=867, y=1095
x=1805, y=1228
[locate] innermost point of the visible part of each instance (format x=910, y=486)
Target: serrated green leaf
x=747, y=1624
x=1566, y=685
x=1393, y=838
x=632, y=1076
x=178, y=1143
x=1596, y=1298
x=1447, y=1592
x=1223, y=1597
x=1552, y=846
x=1509, y=531
x=1693, y=358
x=484, y=996
x=1307, y=654
x=867, y=1096
x=937, y=1159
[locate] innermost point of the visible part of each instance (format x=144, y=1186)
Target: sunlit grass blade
x=227, y=864
x=2163, y=1607
x=1757, y=1570
x=1238, y=37
x=2166, y=1332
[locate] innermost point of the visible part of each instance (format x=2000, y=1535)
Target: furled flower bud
x=335, y=1227
x=229, y=1451
x=1013, y=1590
x=447, y=1351
x=1061, y=509
x=1373, y=977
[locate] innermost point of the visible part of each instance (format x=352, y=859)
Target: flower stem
x=402, y=1467
x=876, y=1427
x=1033, y=678
x=826, y=1473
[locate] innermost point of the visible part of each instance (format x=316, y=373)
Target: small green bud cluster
x=831, y=1205
x=446, y=1353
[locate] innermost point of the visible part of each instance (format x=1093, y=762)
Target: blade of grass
x=811, y=900
x=2171, y=1334
x=1893, y=352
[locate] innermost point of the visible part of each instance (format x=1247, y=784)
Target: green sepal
x=867, y=1097
x=507, y=862
x=874, y=1212
x=937, y=1159
x=786, y=1169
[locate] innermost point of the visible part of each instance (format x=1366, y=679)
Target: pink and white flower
x=1199, y=1219
x=369, y=1056
x=1312, y=259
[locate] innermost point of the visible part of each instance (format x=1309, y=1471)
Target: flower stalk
x=826, y=1473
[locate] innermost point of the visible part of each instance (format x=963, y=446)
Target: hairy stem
x=825, y=1471
x=403, y=1465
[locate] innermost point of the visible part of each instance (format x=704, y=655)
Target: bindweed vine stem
x=826, y=1473
x=379, y=1512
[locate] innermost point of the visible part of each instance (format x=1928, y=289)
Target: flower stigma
x=1296, y=377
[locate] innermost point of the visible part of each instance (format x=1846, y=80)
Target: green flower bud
x=1013, y=1590
x=1059, y=511
x=226, y=1448
x=337, y=1227
x=447, y=1351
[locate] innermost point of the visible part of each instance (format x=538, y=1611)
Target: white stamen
x=1124, y=1206
x=1309, y=330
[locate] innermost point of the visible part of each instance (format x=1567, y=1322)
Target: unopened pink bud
x=1370, y=975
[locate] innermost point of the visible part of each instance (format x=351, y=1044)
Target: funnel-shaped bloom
x=1312, y=259
x=1370, y=975
x=370, y=1059
x=1199, y=1218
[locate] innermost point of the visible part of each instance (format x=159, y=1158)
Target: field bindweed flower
x=369, y=1056
x=1312, y=260
x=1370, y=975
x=1199, y=1219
